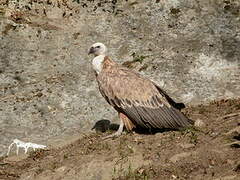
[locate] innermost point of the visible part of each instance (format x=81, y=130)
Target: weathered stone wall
x=189, y=47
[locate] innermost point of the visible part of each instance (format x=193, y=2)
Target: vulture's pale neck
x=97, y=63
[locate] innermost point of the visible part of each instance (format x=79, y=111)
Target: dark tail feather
x=178, y=106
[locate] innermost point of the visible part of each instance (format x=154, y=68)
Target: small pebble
x=199, y=123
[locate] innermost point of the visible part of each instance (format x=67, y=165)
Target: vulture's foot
x=118, y=133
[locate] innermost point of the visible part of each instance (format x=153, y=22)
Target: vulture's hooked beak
x=91, y=50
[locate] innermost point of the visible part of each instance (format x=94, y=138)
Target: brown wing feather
x=144, y=103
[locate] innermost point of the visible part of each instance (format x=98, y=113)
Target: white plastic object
x=25, y=146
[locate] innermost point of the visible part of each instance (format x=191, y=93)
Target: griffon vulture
x=138, y=101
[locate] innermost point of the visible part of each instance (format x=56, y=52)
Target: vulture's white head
x=97, y=49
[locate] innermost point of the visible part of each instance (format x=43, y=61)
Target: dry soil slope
x=209, y=152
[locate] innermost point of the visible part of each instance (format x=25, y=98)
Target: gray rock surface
x=47, y=86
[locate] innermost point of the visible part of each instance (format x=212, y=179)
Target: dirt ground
x=211, y=151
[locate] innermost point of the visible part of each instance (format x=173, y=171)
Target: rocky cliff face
x=190, y=48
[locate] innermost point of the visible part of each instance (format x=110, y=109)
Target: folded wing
x=142, y=101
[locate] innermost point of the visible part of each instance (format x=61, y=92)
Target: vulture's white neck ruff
x=97, y=63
